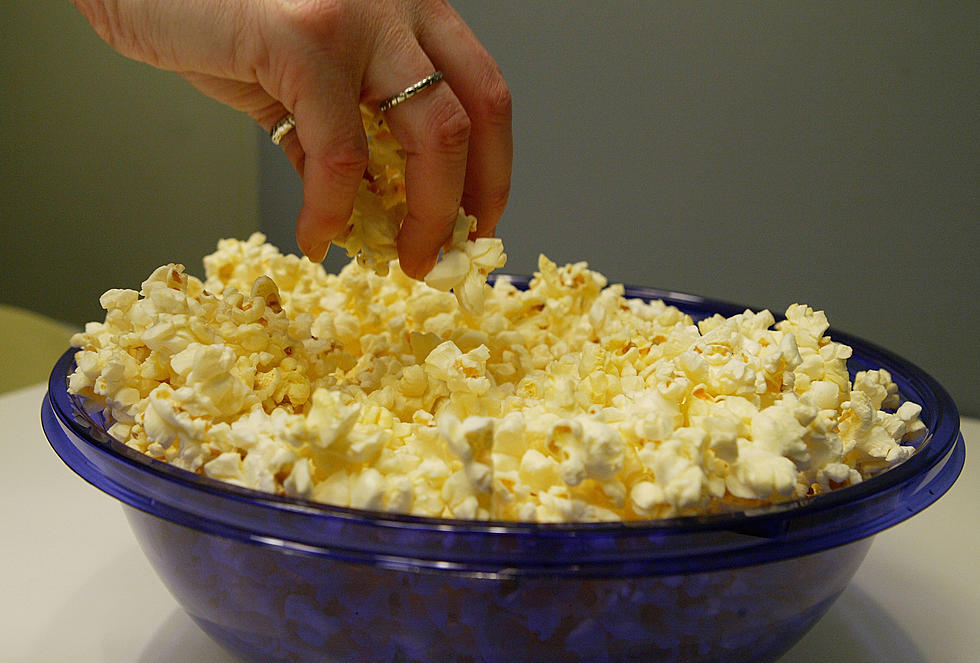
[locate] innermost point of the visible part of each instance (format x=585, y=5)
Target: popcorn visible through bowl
x=564, y=402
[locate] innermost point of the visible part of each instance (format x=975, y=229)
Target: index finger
x=335, y=156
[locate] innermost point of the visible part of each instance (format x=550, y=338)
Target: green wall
x=109, y=167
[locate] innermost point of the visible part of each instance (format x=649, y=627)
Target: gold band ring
x=282, y=128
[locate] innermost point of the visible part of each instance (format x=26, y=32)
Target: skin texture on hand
x=321, y=59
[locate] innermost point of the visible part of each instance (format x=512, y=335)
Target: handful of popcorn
x=563, y=402
x=379, y=209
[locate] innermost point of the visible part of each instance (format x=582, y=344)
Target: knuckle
x=321, y=21
x=449, y=127
x=495, y=104
x=347, y=160
x=107, y=19
x=97, y=14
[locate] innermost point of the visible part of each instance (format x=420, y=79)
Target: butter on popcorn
x=563, y=402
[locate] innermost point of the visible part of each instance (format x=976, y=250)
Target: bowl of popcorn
x=363, y=467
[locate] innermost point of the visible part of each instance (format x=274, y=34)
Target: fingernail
x=317, y=252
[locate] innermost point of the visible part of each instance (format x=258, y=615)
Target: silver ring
x=282, y=128
x=410, y=91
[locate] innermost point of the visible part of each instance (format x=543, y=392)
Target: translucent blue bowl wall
x=265, y=604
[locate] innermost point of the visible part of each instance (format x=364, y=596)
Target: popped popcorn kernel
x=567, y=401
x=379, y=209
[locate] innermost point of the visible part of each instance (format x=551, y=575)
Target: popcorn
x=379, y=208
x=563, y=402
x=465, y=266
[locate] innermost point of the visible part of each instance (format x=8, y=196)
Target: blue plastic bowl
x=280, y=579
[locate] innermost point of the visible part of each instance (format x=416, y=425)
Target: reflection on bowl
x=281, y=579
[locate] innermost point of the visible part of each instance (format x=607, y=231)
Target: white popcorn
x=589, y=449
x=563, y=402
x=471, y=441
x=465, y=266
x=227, y=467
x=677, y=478
x=379, y=209
x=761, y=474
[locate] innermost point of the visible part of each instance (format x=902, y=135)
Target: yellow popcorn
x=563, y=402
x=464, y=267
x=379, y=209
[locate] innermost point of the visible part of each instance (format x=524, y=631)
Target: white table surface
x=74, y=585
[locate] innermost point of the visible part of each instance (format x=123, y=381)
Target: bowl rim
x=929, y=472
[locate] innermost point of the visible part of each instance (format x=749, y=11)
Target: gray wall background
x=763, y=153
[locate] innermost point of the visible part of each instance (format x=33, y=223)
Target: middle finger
x=434, y=130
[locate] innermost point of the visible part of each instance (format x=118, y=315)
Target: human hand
x=319, y=60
